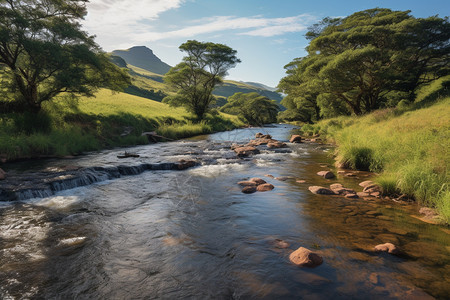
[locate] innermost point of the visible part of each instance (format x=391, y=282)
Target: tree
x=359, y=63
x=252, y=108
x=44, y=52
x=202, y=69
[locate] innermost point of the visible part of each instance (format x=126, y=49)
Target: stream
x=192, y=234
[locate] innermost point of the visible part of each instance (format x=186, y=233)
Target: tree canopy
x=44, y=52
x=252, y=108
x=368, y=60
x=196, y=76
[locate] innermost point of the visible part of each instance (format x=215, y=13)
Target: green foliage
x=252, y=108
x=44, y=52
x=410, y=148
x=369, y=60
x=194, y=79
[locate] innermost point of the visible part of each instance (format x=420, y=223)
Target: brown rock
x=366, y=183
x=428, y=212
x=375, y=194
x=305, y=258
x=373, y=188
x=362, y=194
x=319, y=190
x=276, y=145
x=351, y=196
x=326, y=174
x=246, y=151
x=265, y=187
x=259, y=135
x=300, y=181
x=295, y=139
x=258, y=181
x=268, y=175
x=339, y=189
x=249, y=189
x=2, y=175
x=247, y=183
x=316, y=140
x=350, y=175
x=388, y=247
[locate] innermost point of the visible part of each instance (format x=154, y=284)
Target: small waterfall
x=47, y=184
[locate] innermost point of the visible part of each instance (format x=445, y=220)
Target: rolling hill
x=147, y=73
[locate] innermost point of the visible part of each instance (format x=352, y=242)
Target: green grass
x=67, y=126
x=409, y=146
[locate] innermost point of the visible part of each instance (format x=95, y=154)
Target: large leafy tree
x=357, y=63
x=44, y=52
x=195, y=77
x=252, y=108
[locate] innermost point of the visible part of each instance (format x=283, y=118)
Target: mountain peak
x=143, y=57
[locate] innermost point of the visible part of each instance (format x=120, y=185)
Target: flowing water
x=193, y=234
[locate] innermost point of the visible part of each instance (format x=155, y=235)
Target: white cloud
x=114, y=20
x=124, y=23
x=264, y=27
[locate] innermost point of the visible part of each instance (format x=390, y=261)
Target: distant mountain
x=147, y=71
x=143, y=57
x=261, y=86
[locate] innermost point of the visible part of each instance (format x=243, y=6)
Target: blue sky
x=267, y=34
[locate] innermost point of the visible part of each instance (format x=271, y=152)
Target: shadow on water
x=193, y=234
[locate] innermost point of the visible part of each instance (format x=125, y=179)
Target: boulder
x=259, y=135
x=278, y=243
x=339, y=189
x=326, y=174
x=265, y=187
x=266, y=136
x=366, y=183
x=319, y=190
x=2, y=175
x=247, y=183
x=351, y=196
x=259, y=142
x=388, y=247
x=249, y=189
x=283, y=178
x=276, y=144
x=362, y=194
x=372, y=188
x=246, y=151
x=268, y=175
x=257, y=181
x=305, y=258
x=295, y=139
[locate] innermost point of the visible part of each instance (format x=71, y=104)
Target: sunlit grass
x=410, y=148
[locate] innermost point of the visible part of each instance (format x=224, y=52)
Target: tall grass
x=67, y=126
x=408, y=145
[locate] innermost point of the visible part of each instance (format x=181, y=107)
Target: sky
x=267, y=34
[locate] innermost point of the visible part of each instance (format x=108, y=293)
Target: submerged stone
x=326, y=174
x=265, y=187
x=320, y=190
x=305, y=258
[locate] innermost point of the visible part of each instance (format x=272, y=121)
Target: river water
x=193, y=234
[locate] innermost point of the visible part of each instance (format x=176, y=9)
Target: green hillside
x=147, y=72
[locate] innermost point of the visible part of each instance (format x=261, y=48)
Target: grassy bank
x=68, y=127
x=407, y=145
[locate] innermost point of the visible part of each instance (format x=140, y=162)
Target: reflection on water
x=193, y=234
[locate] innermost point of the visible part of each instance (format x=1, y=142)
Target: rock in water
x=249, y=189
x=265, y=187
x=258, y=181
x=305, y=258
x=320, y=190
x=388, y=247
x=326, y=174
x=2, y=174
x=276, y=144
x=246, y=151
x=295, y=139
x=247, y=183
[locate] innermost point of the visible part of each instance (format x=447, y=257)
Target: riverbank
x=71, y=127
x=408, y=146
